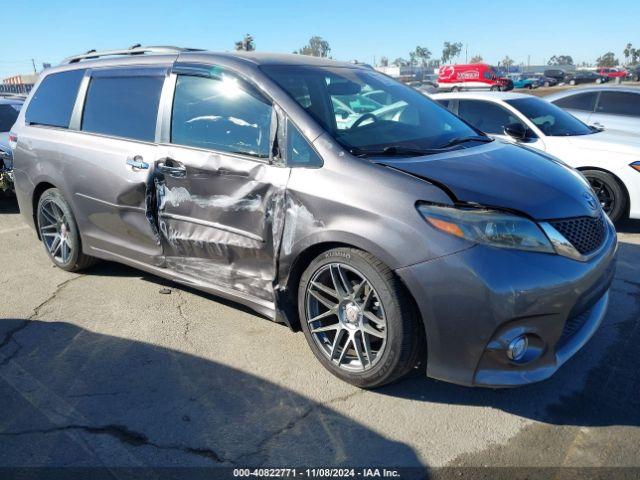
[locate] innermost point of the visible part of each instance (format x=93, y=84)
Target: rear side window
x=53, y=101
x=619, y=103
x=123, y=106
x=585, y=102
x=221, y=113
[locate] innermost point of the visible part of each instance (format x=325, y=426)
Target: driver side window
x=485, y=116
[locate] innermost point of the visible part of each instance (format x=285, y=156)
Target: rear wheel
x=609, y=192
x=358, y=318
x=546, y=84
x=494, y=88
x=59, y=232
x=572, y=82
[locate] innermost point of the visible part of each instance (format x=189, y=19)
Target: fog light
x=517, y=348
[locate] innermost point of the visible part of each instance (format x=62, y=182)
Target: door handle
x=177, y=170
x=137, y=162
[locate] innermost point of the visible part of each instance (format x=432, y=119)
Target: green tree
x=317, y=47
x=420, y=56
x=631, y=55
x=507, y=62
x=607, y=60
x=450, y=51
x=384, y=62
x=400, y=62
x=246, y=44
x=477, y=59
x=561, y=60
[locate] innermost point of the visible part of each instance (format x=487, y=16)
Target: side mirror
x=516, y=130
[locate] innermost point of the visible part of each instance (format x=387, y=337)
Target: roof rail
x=136, y=49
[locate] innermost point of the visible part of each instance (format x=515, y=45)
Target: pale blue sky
x=49, y=30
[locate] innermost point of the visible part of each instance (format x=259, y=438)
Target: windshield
x=8, y=116
x=551, y=120
x=367, y=111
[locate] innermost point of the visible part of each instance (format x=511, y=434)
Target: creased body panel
x=218, y=222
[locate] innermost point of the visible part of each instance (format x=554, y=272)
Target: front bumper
x=473, y=303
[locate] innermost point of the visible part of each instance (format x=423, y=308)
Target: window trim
x=161, y=70
x=168, y=98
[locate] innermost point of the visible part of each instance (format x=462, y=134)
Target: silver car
x=611, y=108
x=402, y=238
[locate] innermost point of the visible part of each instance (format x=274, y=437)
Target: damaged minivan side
x=389, y=231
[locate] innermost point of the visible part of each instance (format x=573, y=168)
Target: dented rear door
x=219, y=195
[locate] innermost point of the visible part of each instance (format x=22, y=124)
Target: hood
x=500, y=174
x=609, y=141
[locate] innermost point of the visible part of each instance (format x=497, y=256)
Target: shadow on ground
x=77, y=398
x=8, y=203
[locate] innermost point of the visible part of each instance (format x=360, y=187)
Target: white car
x=612, y=108
x=609, y=160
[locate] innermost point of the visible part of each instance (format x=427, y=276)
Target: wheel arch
x=39, y=189
x=286, y=295
x=625, y=191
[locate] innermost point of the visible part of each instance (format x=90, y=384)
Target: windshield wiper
x=390, y=151
x=459, y=140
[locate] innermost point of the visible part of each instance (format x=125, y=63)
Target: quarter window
x=299, y=152
x=619, y=103
x=53, y=101
x=485, y=116
x=585, y=102
x=123, y=106
x=221, y=113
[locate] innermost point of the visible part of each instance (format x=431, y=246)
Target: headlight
x=490, y=227
x=635, y=166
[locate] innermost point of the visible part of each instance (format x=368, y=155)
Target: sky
x=49, y=30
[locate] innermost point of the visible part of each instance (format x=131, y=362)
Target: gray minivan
x=389, y=230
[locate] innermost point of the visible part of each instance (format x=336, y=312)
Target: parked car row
x=331, y=198
x=480, y=76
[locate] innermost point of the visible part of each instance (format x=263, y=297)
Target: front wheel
x=358, y=318
x=59, y=232
x=494, y=88
x=572, y=82
x=609, y=192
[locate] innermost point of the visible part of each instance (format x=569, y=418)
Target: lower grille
x=573, y=326
x=586, y=234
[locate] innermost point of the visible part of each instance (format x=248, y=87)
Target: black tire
x=572, y=82
x=405, y=340
x=494, y=88
x=75, y=260
x=455, y=89
x=609, y=191
x=546, y=84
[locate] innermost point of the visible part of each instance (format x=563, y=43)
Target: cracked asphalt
x=102, y=369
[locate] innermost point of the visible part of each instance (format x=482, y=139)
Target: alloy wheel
x=54, y=230
x=345, y=316
x=605, y=194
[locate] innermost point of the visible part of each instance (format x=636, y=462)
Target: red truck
x=613, y=72
x=472, y=77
